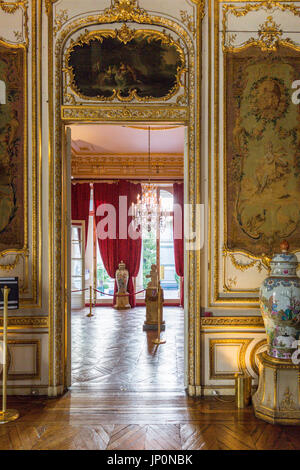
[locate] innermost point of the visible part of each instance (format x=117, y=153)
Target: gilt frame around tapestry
x=125, y=64
x=12, y=148
x=262, y=152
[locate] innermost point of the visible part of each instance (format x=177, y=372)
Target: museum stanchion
x=5, y=415
x=90, y=314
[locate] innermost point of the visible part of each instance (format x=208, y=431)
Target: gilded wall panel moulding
x=11, y=8
x=232, y=322
x=256, y=226
x=36, y=372
x=48, y=5
x=14, y=152
x=242, y=342
x=26, y=322
x=268, y=32
x=237, y=11
x=23, y=43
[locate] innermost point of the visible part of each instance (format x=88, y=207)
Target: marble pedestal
x=277, y=399
x=154, y=302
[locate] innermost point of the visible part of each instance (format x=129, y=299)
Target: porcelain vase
x=280, y=304
x=122, y=277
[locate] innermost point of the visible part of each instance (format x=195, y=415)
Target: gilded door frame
x=59, y=117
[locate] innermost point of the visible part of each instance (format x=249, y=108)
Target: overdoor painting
x=125, y=64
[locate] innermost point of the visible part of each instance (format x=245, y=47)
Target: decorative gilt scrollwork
x=11, y=8
x=60, y=19
x=11, y=266
x=188, y=20
x=259, y=262
x=269, y=33
x=125, y=10
x=242, y=266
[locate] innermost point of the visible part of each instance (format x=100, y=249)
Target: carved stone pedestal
x=277, y=399
x=122, y=302
x=154, y=302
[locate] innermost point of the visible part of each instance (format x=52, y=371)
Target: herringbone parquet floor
x=111, y=351
x=128, y=395
x=139, y=421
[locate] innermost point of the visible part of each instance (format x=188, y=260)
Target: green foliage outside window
x=102, y=277
x=149, y=257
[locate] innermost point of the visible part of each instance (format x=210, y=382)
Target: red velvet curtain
x=119, y=246
x=80, y=204
x=178, y=233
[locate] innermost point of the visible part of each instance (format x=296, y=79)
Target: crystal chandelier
x=147, y=211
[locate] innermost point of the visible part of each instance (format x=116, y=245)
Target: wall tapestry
x=12, y=118
x=262, y=154
x=125, y=64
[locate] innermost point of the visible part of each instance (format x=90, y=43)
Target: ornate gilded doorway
x=74, y=98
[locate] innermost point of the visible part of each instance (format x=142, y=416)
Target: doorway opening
x=110, y=350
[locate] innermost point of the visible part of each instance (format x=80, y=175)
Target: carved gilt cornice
x=126, y=113
x=163, y=167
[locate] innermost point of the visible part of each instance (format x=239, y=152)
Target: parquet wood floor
x=111, y=351
x=127, y=396
x=139, y=421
